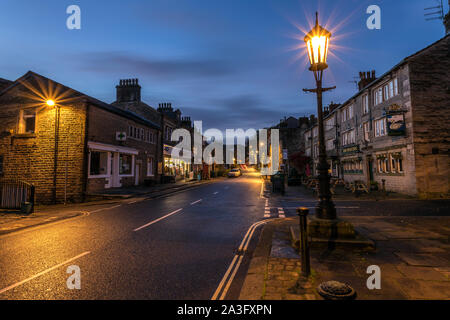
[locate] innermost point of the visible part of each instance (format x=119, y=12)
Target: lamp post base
x=331, y=229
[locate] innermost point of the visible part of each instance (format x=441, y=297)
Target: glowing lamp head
x=50, y=103
x=317, y=41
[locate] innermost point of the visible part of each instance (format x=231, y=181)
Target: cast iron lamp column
x=317, y=41
x=51, y=103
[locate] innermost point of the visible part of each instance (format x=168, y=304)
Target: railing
x=13, y=193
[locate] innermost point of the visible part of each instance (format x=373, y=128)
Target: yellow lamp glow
x=50, y=103
x=317, y=41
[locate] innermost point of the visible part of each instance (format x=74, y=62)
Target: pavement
x=412, y=239
x=176, y=247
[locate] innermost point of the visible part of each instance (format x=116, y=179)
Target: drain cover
x=335, y=290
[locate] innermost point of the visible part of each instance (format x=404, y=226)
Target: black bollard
x=304, y=245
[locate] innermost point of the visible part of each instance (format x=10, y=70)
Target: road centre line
x=43, y=272
x=216, y=192
x=102, y=209
x=157, y=220
x=192, y=203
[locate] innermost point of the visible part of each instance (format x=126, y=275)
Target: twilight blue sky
x=230, y=63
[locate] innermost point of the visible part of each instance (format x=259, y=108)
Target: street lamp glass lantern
x=317, y=41
x=50, y=103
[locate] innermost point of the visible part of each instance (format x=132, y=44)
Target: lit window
x=98, y=163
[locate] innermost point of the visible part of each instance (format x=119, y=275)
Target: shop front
x=174, y=167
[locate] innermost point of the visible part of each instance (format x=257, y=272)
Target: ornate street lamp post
x=317, y=41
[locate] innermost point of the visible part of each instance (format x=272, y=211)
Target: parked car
x=234, y=173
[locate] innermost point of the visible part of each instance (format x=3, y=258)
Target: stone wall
x=430, y=97
x=30, y=157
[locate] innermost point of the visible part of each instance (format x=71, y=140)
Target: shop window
x=27, y=122
x=150, y=167
x=396, y=163
x=98, y=163
x=125, y=163
x=383, y=164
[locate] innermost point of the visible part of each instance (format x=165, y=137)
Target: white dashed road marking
x=157, y=220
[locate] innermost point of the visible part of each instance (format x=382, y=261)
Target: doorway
x=136, y=174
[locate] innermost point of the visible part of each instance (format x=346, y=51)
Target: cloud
x=119, y=62
x=240, y=111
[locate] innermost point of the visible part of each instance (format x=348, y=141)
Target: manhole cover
x=335, y=290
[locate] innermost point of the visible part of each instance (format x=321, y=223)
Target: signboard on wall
x=121, y=136
x=396, y=124
x=351, y=149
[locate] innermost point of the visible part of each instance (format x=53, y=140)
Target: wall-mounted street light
x=317, y=42
x=50, y=103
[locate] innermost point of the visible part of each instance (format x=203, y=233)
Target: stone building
x=128, y=97
x=395, y=129
x=292, y=143
x=79, y=146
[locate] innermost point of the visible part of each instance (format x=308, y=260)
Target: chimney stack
x=128, y=90
x=366, y=78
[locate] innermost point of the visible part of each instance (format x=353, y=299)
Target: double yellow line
x=228, y=278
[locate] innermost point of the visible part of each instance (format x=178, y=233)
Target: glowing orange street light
x=317, y=42
x=50, y=103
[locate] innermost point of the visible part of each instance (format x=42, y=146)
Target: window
x=308, y=152
x=27, y=122
x=347, y=113
x=315, y=131
x=386, y=91
x=348, y=137
x=150, y=171
x=396, y=163
x=366, y=128
x=125, y=163
x=378, y=96
x=98, y=163
x=329, y=123
x=365, y=103
x=380, y=127
x=316, y=149
x=383, y=164
x=1, y=165
x=330, y=144
x=307, y=136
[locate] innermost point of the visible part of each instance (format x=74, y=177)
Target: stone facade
x=395, y=130
x=31, y=132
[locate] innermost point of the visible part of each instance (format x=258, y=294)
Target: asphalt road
x=142, y=249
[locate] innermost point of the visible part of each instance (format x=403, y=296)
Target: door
x=369, y=176
x=136, y=174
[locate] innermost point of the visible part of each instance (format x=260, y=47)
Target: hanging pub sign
x=395, y=117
